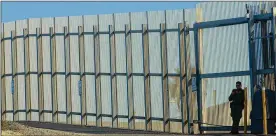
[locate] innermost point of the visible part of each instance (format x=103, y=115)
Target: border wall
x=45, y=62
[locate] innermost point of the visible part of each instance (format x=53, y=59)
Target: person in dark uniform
x=237, y=104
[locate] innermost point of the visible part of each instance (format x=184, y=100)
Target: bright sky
x=12, y=11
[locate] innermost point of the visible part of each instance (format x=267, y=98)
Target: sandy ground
x=14, y=128
x=38, y=128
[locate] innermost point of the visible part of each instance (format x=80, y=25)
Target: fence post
x=82, y=75
x=14, y=78
x=68, y=77
x=183, y=74
x=131, y=119
x=166, y=112
x=201, y=94
x=113, y=77
x=13, y=73
x=188, y=71
x=1, y=57
x=97, y=77
x=40, y=75
x=3, y=78
x=54, y=74
x=27, y=73
x=145, y=40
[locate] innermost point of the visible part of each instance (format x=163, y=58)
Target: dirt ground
x=38, y=128
x=14, y=128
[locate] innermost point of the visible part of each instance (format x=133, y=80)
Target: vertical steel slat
x=113, y=78
x=145, y=45
x=28, y=76
x=82, y=76
x=1, y=60
x=54, y=76
x=250, y=45
x=69, y=78
x=111, y=74
x=165, y=92
x=84, y=89
x=162, y=82
x=199, y=99
x=95, y=69
x=65, y=30
x=98, y=77
x=25, y=33
x=15, y=78
x=145, y=108
x=129, y=77
x=15, y=81
x=51, y=67
x=186, y=44
x=80, y=72
x=40, y=75
x=3, y=72
x=181, y=59
x=38, y=69
x=13, y=74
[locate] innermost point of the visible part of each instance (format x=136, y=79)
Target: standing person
x=237, y=104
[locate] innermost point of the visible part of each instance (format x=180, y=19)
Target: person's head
x=238, y=85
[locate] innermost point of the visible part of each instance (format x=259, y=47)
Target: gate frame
x=252, y=72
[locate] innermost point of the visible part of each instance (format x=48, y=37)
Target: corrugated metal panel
x=89, y=22
x=60, y=22
x=104, y=22
x=120, y=20
x=154, y=20
x=46, y=23
x=74, y=22
x=137, y=19
x=20, y=25
x=33, y=24
x=173, y=17
x=8, y=27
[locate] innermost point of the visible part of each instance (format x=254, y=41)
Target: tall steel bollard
x=264, y=111
x=245, y=110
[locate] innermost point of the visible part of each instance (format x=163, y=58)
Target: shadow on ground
x=103, y=130
x=87, y=129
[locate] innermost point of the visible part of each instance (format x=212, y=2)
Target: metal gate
x=251, y=20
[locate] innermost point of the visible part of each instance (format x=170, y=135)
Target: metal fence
x=119, y=70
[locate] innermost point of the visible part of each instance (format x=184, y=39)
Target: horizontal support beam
x=225, y=74
x=220, y=23
x=208, y=75
x=89, y=33
x=231, y=21
x=265, y=71
x=87, y=73
x=93, y=114
x=236, y=73
x=263, y=17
